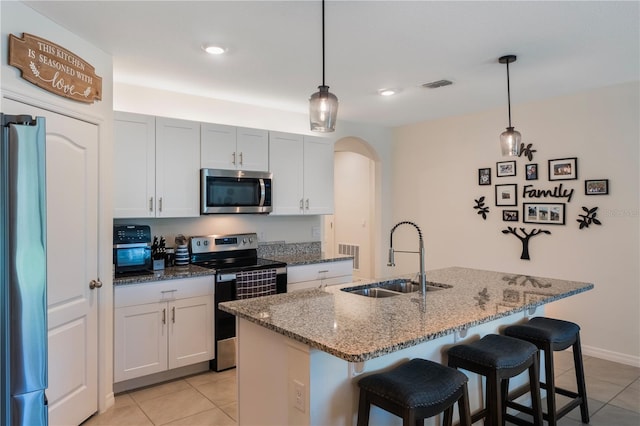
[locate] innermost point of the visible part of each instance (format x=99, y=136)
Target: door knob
x=93, y=284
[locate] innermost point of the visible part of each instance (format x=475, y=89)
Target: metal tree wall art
x=588, y=218
x=527, y=151
x=482, y=209
x=524, y=239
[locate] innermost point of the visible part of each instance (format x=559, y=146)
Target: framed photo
x=510, y=215
x=531, y=171
x=484, y=176
x=505, y=168
x=507, y=195
x=596, y=187
x=543, y=213
x=563, y=169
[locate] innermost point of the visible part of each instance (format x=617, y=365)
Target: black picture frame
x=505, y=168
x=510, y=215
x=563, y=169
x=484, y=176
x=507, y=195
x=544, y=213
x=531, y=171
x=596, y=187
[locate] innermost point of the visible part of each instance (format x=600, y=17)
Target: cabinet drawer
x=318, y=271
x=159, y=291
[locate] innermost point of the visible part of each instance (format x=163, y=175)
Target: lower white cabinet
x=300, y=277
x=162, y=325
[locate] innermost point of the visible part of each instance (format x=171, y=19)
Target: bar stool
x=415, y=390
x=550, y=335
x=499, y=358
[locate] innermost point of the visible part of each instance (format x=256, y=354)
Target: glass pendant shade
x=323, y=110
x=510, y=142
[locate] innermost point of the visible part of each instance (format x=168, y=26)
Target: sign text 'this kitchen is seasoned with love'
x=54, y=68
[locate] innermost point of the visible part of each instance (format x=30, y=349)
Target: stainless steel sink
x=373, y=292
x=392, y=288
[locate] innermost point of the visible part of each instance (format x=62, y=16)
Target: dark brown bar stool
x=550, y=335
x=415, y=390
x=499, y=358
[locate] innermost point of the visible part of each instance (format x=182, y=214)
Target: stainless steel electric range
x=240, y=274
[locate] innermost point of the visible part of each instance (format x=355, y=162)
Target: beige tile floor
x=209, y=399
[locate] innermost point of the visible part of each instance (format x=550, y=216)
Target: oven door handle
x=223, y=278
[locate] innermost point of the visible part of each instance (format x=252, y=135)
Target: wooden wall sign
x=54, y=68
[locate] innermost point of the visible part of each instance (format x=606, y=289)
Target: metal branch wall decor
x=524, y=238
x=588, y=218
x=534, y=202
x=482, y=209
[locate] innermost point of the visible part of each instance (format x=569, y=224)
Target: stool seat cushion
x=542, y=329
x=416, y=383
x=495, y=351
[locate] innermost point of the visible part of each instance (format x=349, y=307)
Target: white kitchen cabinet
x=302, y=168
x=233, y=148
x=156, y=163
x=300, y=277
x=162, y=325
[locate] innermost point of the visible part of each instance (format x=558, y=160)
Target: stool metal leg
x=464, y=409
x=550, y=384
x=363, y=409
x=582, y=388
x=534, y=384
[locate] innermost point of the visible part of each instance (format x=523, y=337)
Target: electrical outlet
x=299, y=395
x=315, y=231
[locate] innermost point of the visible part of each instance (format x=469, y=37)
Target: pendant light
x=323, y=105
x=510, y=138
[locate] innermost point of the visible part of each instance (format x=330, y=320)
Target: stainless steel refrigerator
x=23, y=272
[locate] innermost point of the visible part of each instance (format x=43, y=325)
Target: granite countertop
x=306, y=258
x=170, y=273
x=358, y=328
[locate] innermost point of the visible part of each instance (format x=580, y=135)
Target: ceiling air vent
x=436, y=84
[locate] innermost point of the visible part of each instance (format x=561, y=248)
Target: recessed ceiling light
x=388, y=92
x=213, y=50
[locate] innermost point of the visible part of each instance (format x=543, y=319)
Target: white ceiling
x=274, y=50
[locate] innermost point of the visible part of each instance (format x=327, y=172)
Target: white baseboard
x=611, y=356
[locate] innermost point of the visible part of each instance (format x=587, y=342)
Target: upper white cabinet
x=302, y=168
x=233, y=148
x=134, y=160
x=156, y=166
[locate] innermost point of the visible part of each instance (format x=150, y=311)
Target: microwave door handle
x=263, y=192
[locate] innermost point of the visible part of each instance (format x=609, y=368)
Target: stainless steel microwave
x=235, y=191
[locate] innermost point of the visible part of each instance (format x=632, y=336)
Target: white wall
x=16, y=19
x=435, y=183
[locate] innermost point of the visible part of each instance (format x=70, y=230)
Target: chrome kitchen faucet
x=423, y=279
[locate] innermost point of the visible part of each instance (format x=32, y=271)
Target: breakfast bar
x=301, y=354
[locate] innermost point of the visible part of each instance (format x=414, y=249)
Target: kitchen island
x=300, y=355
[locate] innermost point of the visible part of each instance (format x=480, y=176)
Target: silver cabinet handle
x=307, y=204
x=323, y=271
x=301, y=204
x=241, y=159
x=173, y=314
x=160, y=204
x=93, y=284
x=164, y=316
x=151, y=204
x=234, y=159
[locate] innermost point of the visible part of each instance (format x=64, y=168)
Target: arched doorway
x=351, y=230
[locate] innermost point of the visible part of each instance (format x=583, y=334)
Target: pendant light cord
x=508, y=94
x=323, y=43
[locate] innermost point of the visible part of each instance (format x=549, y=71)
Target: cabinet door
x=134, y=165
x=318, y=175
x=140, y=344
x=285, y=162
x=217, y=146
x=252, y=149
x=177, y=168
x=191, y=331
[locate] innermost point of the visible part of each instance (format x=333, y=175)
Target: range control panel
x=216, y=243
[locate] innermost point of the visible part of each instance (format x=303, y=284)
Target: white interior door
x=72, y=262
